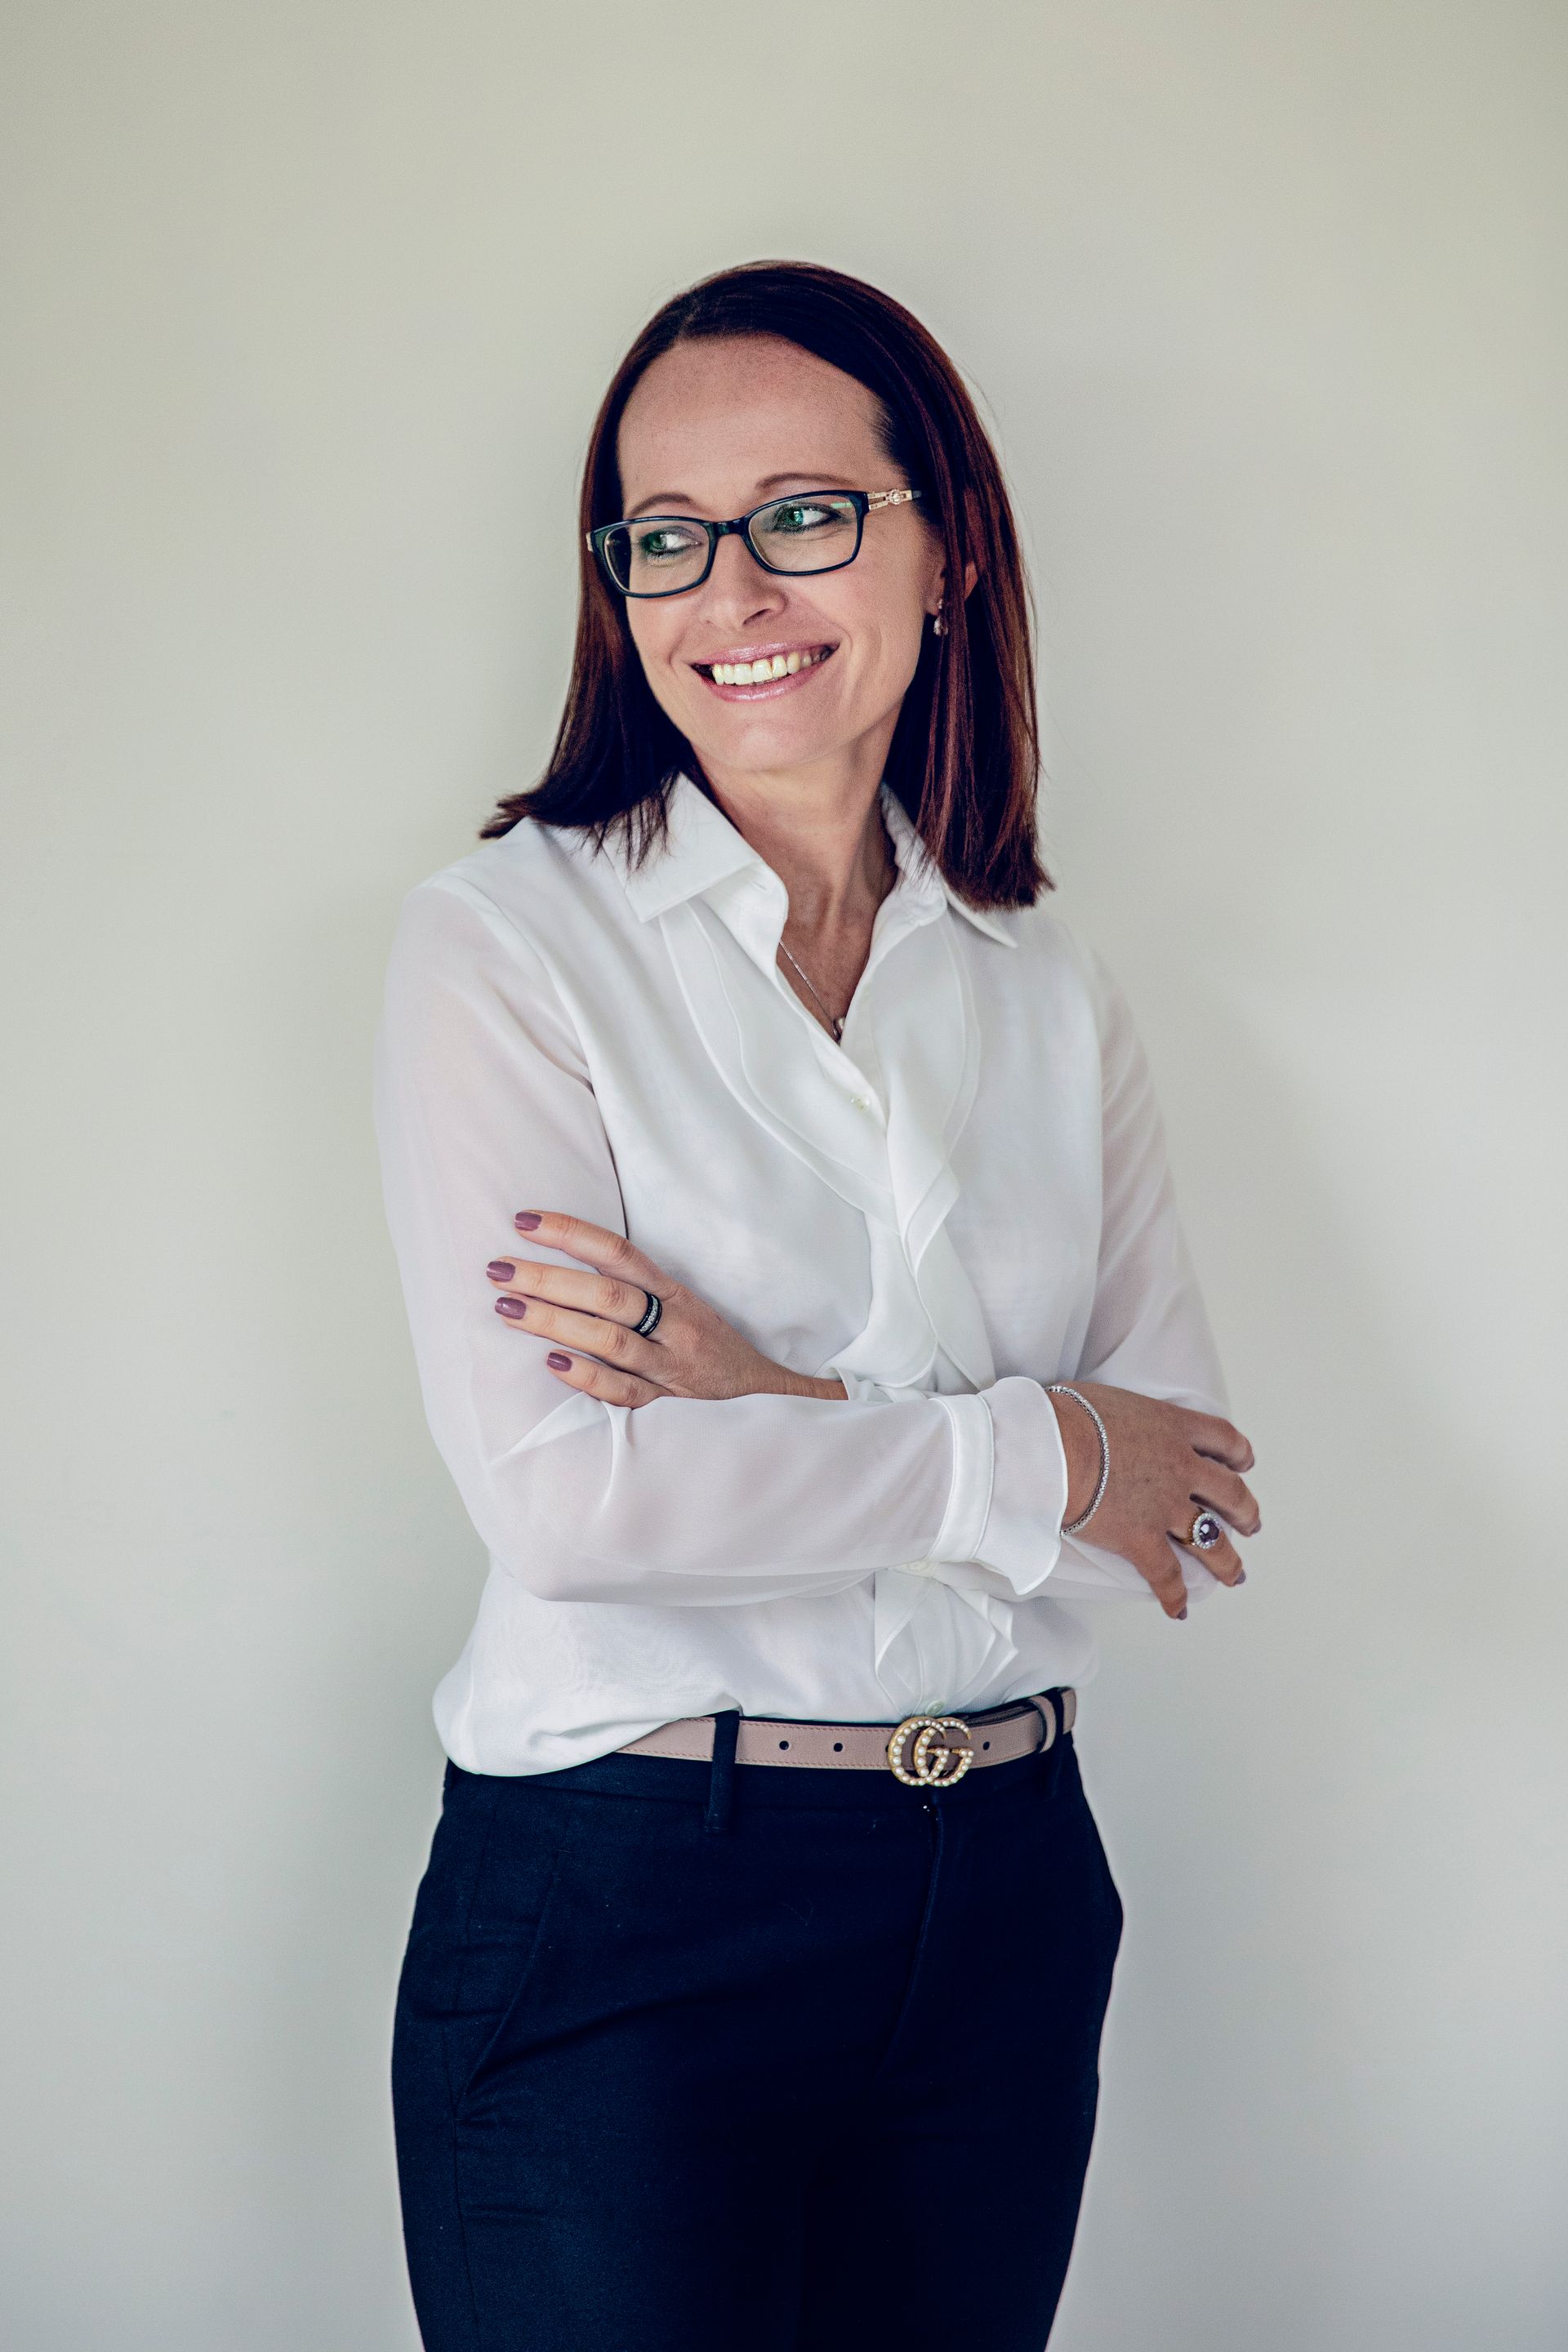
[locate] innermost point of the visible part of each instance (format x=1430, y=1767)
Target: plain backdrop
x=306, y=308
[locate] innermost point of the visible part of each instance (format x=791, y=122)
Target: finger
x=591, y=1293
x=1220, y=1440
x=1162, y=1573
x=596, y=1245
x=1222, y=1559
x=604, y=1381
x=613, y=1343
x=1223, y=1492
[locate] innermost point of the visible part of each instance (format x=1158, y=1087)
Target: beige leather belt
x=923, y=1751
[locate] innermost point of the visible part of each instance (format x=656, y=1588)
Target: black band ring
x=649, y=1324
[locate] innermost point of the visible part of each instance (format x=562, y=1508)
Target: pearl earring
x=938, y=625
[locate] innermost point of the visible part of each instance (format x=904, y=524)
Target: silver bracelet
x=1060, y=1387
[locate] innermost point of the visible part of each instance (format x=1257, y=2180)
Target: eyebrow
x=681, y=502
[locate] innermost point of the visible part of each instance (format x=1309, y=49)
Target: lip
x=766, y=688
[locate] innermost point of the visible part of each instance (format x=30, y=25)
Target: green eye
x=667, y=543
x=797, y=515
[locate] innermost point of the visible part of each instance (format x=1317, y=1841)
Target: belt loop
x=721, y=1780
x=1049, y=1706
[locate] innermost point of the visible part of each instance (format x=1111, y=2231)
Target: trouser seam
x=446, y=2067
x=934, y=1810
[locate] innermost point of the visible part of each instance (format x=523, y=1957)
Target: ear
x=971, y=569
x=972, y=516
x=971, y=574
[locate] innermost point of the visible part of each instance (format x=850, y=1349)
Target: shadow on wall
x=1309, y=1796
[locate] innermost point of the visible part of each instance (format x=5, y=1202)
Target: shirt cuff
x=973, y=1463
x=1022, y=1534
x=1007, y=1495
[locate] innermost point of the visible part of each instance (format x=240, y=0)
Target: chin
x=758, y=751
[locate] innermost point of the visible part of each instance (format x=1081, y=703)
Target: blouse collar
x=702, y=849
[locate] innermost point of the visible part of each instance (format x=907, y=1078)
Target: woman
x=754, y=1989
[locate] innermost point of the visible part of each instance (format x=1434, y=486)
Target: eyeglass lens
x=660, y=554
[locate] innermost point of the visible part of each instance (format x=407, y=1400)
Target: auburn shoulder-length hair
x=964, y=759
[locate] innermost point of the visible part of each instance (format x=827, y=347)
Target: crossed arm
x=579, y=1460
x=1165, y=1460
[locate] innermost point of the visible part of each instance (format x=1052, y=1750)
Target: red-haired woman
x=802, y=1310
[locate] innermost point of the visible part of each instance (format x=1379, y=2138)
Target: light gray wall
x=306, y=310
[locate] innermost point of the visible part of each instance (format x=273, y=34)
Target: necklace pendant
x=835, y=1020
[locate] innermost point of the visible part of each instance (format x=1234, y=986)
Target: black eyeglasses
x=811, y=530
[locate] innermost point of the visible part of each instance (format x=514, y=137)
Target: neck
x=821, y=831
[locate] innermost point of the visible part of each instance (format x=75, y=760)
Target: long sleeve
x=484, y=1105
x=1148, y=1330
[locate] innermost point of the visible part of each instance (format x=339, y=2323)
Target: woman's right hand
x=1166, y=1462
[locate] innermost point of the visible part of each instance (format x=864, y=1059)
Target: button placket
x=906, y=910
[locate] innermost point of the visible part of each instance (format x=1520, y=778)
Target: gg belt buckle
x=933, y=1763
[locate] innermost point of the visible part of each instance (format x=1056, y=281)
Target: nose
x=738, y=584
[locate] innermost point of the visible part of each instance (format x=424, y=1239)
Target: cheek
x=651, y=633
x=883, y=611
x=655, y=636
x=889, y=639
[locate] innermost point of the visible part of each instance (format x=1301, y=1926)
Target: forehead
x=714, y=419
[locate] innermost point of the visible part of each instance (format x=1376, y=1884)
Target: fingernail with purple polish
x=1241, y=1576
x=500, y=1269
x=558, y=1363
x=526, y=1220
x=511, y=1307
x=1179, y=1614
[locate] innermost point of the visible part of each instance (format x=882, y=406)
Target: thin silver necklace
x=833, y=1019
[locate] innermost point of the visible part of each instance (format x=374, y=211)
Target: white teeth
x=763, y=670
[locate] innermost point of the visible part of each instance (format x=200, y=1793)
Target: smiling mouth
x=766, y=670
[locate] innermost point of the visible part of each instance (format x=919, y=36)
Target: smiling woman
x=795, y=1274
x=786, y=360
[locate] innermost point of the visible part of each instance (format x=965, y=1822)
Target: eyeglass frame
x=864, y=502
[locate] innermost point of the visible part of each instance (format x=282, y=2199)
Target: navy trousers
x=771, y=2060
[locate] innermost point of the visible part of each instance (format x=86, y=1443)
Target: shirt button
x=862, y=1102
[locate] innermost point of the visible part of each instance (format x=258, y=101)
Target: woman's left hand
x=591, y=1320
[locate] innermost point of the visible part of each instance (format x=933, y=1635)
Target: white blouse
x=967, y=1198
